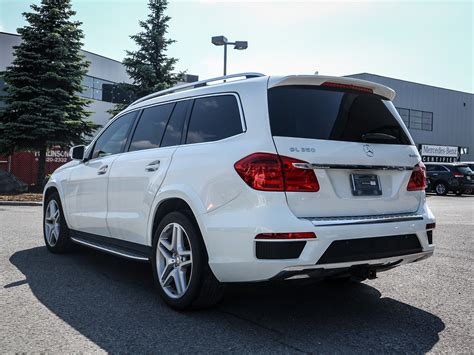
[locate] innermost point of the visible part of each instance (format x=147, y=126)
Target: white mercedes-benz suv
x=251, y=178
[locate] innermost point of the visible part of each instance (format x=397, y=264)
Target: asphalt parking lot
x=86, y=301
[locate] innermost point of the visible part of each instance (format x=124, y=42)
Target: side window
x=430, y=168
x=113, y=139
x=214, y=118
x=150, y=127
x=174, y=128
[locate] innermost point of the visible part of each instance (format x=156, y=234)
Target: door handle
x=102, y=170
x=153, y=166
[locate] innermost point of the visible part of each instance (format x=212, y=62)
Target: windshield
x=323, y=113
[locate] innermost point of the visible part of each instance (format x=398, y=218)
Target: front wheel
x=55, y=229
x=180, y=264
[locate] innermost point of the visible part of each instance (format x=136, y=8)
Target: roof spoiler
x=333, y=81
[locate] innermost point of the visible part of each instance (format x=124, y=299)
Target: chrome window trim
x=142, y=107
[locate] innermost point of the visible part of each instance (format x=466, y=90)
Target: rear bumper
x=348, y=268
x=232, y=249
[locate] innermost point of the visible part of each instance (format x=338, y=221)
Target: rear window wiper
x=378, y=136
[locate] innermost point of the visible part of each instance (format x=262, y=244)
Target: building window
x=93, y=88
x=427, y=121
x=416, y=119
x=421, y=120
x=405, y=115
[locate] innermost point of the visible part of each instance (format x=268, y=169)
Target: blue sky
x=429, y=42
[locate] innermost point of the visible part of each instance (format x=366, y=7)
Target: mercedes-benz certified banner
x=439, y=153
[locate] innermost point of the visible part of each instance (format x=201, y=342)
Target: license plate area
x=365, y=185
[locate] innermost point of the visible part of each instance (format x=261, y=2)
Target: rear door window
x=214, y=118
x=150, y=127
x=174, y=129
x=323, y=113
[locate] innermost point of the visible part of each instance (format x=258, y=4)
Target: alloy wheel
x=52, y=225
x=441, y=189
x=174, y=260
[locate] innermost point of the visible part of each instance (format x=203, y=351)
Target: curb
x=20, y=203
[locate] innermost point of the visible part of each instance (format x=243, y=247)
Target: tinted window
x=114, y=137
x=214, y=118
x=317, y=113
x=174, y=128
x=439, y=168
x=464, y=169
x=150, y=127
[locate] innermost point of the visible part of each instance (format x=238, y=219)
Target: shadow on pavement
x=113, y=303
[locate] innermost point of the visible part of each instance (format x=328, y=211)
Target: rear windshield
x=464, y=169
x=323, y=113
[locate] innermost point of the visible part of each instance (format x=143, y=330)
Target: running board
x=112, y=246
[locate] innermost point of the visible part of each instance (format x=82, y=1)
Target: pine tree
x=149, y=67
x=43, y=108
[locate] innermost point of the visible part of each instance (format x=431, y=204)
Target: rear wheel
x=441, y=188
x=55, y=229
x=180, y=264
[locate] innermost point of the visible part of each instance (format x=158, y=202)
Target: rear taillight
x=417, y=178
x=458, y=175
x=271, y=172
x=331, y=84
x=303, y=235
x=298, y=179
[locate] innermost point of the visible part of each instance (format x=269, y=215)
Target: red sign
x=24, y=165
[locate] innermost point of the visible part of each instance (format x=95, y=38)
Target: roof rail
x=194, y=85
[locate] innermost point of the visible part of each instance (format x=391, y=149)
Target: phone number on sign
x=56, y=160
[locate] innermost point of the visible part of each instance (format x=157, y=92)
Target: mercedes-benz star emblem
x=368, y=150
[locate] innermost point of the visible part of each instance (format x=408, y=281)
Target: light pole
x=222, y=41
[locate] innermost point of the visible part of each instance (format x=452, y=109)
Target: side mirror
x=77, y=152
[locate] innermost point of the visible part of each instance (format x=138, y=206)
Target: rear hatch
x=354, y=140
x=464, y=174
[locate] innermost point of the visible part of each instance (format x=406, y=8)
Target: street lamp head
x=241, y=45
x=219, y=40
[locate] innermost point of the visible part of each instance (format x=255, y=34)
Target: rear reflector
x=458, y=175
x=303, y=235
x=417, y=178
x=271, y=172
x=330, y=84
x=431, y=226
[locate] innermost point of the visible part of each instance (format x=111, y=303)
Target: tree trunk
x=41, y=167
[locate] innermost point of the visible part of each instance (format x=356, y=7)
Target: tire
x=180, y=269
x=458, y=193
x=55, y=229
x=441, y=189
